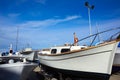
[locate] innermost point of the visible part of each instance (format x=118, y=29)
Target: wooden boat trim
x=80, y=50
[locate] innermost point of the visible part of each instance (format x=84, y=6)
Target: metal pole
x=89, y=21
x=89, y=7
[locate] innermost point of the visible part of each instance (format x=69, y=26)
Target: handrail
x=97, y=34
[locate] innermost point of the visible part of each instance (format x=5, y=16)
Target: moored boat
x=29, y=54
x=117, y=57
x=15, y=67
x=81, y=61
x=116, y=63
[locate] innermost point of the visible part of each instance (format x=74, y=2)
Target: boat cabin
x=63, y=49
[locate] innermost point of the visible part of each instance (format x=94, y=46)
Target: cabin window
x=65, y=50
x=53, y=51
x=82, y=47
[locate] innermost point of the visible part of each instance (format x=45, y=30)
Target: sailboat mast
x=17, y=38
x=10, y=50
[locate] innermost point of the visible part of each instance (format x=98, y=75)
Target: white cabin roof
x=71, y=48
x=44, y=52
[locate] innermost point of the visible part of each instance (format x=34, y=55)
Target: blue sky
x=45, y=23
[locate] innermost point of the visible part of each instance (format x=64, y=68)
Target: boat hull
x=96, y=60
x=75, y=74
x=16, y=71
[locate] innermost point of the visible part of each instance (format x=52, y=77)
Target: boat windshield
x=65, y=50
x=53, y=51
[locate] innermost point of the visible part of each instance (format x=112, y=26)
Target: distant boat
x=116, y=63
x=117, y=57
x=81, y=61
x=29, y=54
x=15, y=67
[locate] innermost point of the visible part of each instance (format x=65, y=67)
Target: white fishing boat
x=15, y=67
x=29, y=54
x=81, y=61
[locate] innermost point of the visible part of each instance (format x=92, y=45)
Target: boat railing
x=96, y=34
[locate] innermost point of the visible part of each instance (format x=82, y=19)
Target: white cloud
x=48, y=22
x=39, y=38
x=72, y=17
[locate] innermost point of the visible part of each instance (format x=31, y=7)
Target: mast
x=75, y=39
x=10, y=50
x=17, y=38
